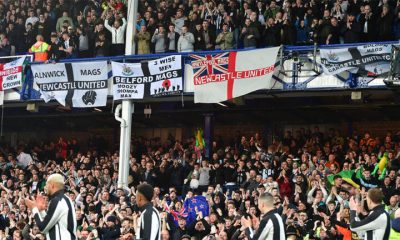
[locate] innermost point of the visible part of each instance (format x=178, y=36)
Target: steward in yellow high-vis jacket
x=40, y=49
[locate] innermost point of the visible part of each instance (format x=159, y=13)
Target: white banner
x=366, y=60
x=220, y=77
x=11, y=74
x=128, y=80
x=74, y=84
x=160, y=77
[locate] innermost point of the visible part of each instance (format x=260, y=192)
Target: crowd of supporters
x=88, y=28
x=302, y=170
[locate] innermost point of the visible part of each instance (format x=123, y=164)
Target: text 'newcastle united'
x=80, y=85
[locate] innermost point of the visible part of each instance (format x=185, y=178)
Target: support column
x=125, y=118
x=208, y=133
x=127, y=105
x=121, y=143
x=131, y=27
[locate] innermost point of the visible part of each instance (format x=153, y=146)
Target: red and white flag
x=11, y=74
x=224, y=76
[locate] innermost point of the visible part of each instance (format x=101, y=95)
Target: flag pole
x=127, y=105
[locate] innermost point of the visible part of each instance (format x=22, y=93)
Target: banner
x=367, y=60
x=11, y=74
x=224, y=76
x=160, y=77
x=74, y=84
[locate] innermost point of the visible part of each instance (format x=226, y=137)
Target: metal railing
x=286, y=53
x=286, y=49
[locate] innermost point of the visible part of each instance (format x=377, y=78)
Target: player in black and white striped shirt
x=377, y=224
x=59, y=221
x=271, y=226
x=149, y=222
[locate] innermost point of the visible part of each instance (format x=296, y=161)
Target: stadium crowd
x=311, y=176
x=55, y=29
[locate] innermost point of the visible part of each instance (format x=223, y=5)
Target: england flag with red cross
x=220, y=77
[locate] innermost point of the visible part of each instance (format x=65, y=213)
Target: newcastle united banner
x=73, y=84
x=366, y=60
x=11, y=74
x=223, y=76
x=160, y=77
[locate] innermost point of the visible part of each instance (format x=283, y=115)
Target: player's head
x=265, y=202
x=144, y=194
x=54, y=183
x=374, y=197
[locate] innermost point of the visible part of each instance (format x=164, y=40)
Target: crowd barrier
x=298, y=69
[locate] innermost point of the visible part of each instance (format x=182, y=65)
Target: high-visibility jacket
x=39, y=49
x=395, y=231
x=394, y=235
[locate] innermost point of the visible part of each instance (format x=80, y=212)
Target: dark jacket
x=4, y=222
x=217, y=176
x=335, y=35
x=163, y=179
x=352, y=34
x=302, y=33
x=110, y=233
x=54, y=53
x=13, y=37
x=202, y=233
x=272, y=36
x=149, y=177
x=29, y=40
x=385, y=25
x=229, y=175
x=396, y=28
x=44, y=29
x=177, y=175
x=212, y=36
x=5, y=50
x=103, y=50
x=370, y=36
x=288, y=34
x=199, y=44
x=178, y=233
x=250, y=37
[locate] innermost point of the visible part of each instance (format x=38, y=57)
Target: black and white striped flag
x=78, y=85
x=366, y=60
x=160, y=77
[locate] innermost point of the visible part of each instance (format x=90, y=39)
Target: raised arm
x=107, y=25
x=123, y=23
x=53, y=215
